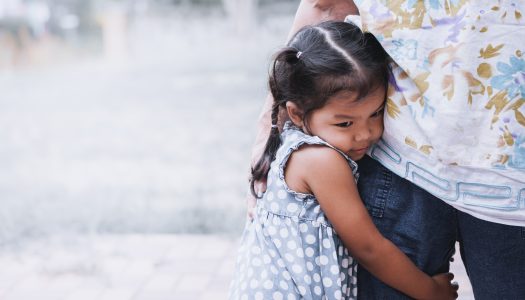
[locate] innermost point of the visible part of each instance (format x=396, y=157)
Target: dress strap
x=292, y=139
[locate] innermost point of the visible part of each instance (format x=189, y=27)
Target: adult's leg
x=494, y=257
x=421, y=225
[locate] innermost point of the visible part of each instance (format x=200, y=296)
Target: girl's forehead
x=352, y=97
x=349, y=100
x=343, y=97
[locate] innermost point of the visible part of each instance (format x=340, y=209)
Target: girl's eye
x=344, y=124
x=378, y=113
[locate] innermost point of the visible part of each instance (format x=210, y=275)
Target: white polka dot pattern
x=290, y=251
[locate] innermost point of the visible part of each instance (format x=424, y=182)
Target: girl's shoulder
x=304, y=156
x=312, y=148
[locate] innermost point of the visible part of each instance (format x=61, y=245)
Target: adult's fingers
x=260, y=187
x=251, y=201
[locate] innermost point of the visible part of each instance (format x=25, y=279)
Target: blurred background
x=130, y=116
x=125, y=135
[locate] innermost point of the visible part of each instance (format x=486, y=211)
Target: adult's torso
x=455, y=121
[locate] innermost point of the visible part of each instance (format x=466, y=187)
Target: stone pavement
x=128, y=267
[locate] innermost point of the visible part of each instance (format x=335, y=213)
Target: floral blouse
x=455, y=122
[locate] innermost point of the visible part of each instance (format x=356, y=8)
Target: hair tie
x=298, y=55
x=274, y=126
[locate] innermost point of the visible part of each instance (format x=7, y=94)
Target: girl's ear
x=294, y=113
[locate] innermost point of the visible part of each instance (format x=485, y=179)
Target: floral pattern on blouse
x=473, y=113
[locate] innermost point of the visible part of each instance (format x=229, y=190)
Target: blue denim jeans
x=426, y=229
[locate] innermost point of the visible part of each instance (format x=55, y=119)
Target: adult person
x=451, y=162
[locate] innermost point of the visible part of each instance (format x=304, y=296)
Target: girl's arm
x=325, y=173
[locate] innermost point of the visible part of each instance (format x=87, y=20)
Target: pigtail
x=281, y=70
x=262, y=167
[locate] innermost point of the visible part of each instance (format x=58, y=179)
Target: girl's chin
x=357, y=156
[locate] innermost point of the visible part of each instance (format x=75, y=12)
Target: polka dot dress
x=290, y=251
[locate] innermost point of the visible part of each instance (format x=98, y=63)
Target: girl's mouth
x=361, y=150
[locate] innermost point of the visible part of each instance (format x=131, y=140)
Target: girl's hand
x=445, y=289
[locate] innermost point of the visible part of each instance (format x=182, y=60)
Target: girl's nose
x=363, y=134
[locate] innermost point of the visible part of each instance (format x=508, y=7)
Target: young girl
x=331, y=79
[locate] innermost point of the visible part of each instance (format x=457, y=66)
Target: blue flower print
x=403, y=49
x=428, y=110
x=517, y=160
x=512, y=77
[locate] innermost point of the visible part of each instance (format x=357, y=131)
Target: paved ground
x=128, y=267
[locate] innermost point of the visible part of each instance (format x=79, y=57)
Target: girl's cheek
x=379, y=130
x=379, y=124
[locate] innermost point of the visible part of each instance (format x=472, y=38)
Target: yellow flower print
x=490, y=51
x=475, y=86
x=507, y=137
x=484, y=70
x=421, y=82
x=519, y=117
x=516, y=106
x=498, y=102
x=410, y=142
x=448, y=86
x=392, y=109
x=453, y=8
x=425, y=149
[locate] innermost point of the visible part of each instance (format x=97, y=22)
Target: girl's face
x=350, y=126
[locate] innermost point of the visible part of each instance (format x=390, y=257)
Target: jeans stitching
x=379, y=208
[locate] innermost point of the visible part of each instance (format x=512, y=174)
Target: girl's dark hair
x=319, y=62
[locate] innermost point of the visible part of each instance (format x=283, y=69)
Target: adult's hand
x=251, y=200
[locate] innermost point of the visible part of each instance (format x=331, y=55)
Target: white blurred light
x=69, y=22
